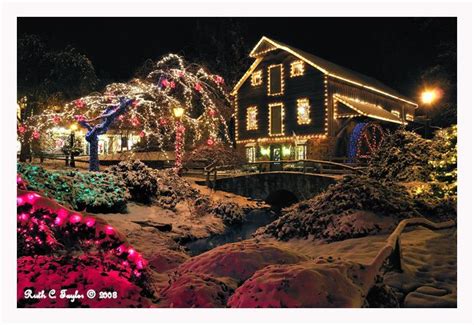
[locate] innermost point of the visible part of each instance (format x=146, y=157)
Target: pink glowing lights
x=75, y=218
x=90, y=222
x=109, y=230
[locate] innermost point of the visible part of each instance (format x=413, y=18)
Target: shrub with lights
x=94, y=192
x=45, y=228
x=444, y=173
x=175, y=103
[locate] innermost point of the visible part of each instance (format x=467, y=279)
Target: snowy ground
x=429, y=257
x=279, y=271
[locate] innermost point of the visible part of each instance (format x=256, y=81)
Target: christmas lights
x=44, y=227
x=257, y=78
x=272, y=45
x=282, y=80
x=277, y=139
x=384, y=112
x=303, y=111
x=326, y=106
x=282, y=117
x=172, y=83
x=296, y=68
x=250, y=153
x=395, y=112
x=252, y=122
x=265, y=151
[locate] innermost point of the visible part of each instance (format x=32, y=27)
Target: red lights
x=44, y=227
x=109, y=230
x=75, y=218
x=198, y=87
x=90, y=222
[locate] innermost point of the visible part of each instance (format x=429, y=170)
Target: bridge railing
x=304, y=166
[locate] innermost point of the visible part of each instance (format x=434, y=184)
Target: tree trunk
x=94, y=154
x=25, y=151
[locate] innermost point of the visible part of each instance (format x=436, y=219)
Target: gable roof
x=368, y=109
x=266, y=45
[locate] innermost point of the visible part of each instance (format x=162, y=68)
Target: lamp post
x=178, y=112
x=72, y=140
x=428, y=97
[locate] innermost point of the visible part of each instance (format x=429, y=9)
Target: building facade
x=293, y=105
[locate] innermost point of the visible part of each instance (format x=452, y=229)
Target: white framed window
x=303, y=111
x=395, y=112
x=276, y=80
x=252, y=121
x=250, y=154
x=296, y=69
x=257, y=78
x=409, y=117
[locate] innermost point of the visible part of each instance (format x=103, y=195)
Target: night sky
x=393, y=50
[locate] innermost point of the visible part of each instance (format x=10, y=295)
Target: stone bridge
x=280, y=188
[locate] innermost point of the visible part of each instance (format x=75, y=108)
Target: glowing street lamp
x=178, y=112
x=429, y=96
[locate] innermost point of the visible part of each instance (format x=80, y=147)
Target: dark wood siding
x=337, y=86
x=310, y=85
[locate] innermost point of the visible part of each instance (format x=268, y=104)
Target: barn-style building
x=294, y=105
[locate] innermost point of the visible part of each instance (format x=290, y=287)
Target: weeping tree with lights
x=175, y=101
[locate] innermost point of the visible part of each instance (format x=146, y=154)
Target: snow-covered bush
x=98, y=192
x=139, y=180
x=93, y=192
x=173, y=189
x=218, y=153
x=325, y=216
x=402, y=156
x=230, y=213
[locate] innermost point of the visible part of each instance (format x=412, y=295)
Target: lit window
x=276, y=81
x=256, y=79
x=302, y=110
x=409, y=117
x=276, y=114
x=300, y=152
x=250, y=154
x=252, y=122
x=395, y=112
x=297, y=69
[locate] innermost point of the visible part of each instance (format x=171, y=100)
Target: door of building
x=275, y=155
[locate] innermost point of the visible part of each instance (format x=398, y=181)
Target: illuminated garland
x=252, y=121
x=179, y=145
x=303, y=111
